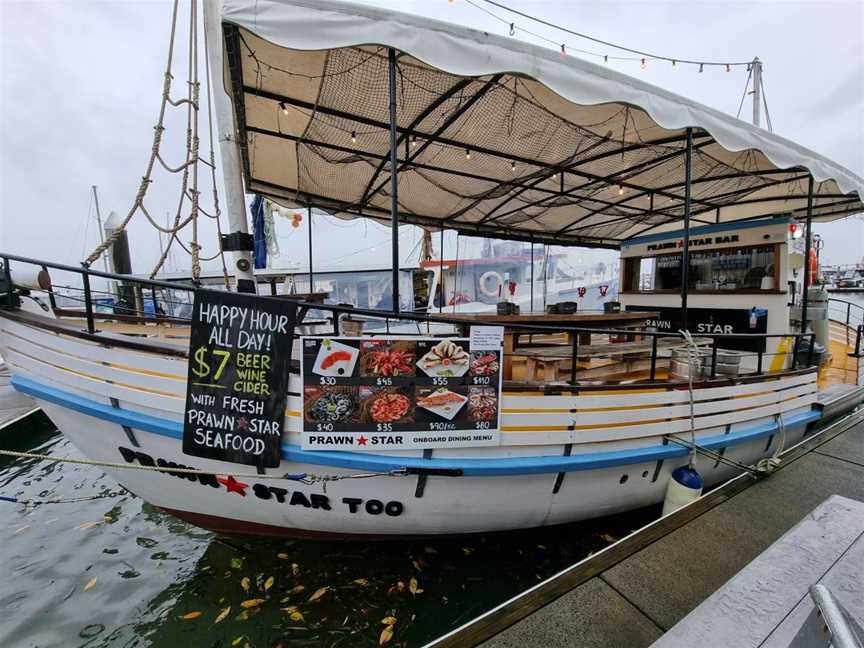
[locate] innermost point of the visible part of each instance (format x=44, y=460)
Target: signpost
x=239, y=361
x=390, y=393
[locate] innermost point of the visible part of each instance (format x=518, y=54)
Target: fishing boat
x=705, y=362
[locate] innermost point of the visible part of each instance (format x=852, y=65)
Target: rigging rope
x=304, y=478
x=694, y=363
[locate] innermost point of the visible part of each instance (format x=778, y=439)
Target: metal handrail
x=421, y=318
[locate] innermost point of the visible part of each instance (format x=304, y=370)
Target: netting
x=500, y=155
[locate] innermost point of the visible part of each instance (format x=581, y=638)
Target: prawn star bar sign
x=239, y=361
x=393, y=393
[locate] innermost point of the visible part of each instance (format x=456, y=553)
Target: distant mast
x=757, y=90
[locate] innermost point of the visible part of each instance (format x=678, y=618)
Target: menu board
x=237, y=384
x=402, y=392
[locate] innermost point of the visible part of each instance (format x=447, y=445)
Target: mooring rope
x=33, y=501
x=304, y=478
x=694, y=362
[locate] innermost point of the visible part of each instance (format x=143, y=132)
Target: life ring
x=814, y=265
x=484, y=279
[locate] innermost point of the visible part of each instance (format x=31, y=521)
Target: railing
x=848, y=313
x=392, y=321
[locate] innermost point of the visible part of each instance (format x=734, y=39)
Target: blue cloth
x=260, y=251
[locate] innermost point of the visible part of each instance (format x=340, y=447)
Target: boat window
x=731, y=269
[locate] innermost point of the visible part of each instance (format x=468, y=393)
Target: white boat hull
x=563, y=457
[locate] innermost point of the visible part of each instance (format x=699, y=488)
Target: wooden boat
x=597, y=436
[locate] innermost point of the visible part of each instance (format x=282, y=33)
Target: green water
x=151, y=570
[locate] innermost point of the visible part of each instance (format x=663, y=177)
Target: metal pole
x=757, y=89
x=685, y=256
x=441, y=273
x=394, y=181
x=807, y=242
x=532, y=275
x=228, y=149
x=309, y=217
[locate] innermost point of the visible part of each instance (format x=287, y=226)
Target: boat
x=517, y=420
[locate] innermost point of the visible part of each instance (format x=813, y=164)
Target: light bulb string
x=641, y=56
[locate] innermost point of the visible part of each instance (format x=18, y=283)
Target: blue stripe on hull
x=370, y=462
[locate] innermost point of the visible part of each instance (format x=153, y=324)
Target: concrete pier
x=636, y=590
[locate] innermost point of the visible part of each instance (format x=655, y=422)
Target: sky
x=81, y=81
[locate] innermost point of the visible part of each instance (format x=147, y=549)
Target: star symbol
x=362, y=440
x=242, y=423
x=232, y=485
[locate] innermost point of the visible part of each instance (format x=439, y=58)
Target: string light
x=467, y=154
x=283, y=107
x=620, y=190
x=413, y=141
x=513, y=166
x=640, y=56
x=353, y=137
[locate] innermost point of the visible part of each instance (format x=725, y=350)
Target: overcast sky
x=80, y=85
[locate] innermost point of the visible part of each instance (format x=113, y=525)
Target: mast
x=101, y=231
x=239, y=241
x=757, y=90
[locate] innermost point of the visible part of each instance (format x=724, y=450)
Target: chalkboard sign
x=237, y=384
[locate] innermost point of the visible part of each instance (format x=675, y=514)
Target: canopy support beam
x=685, y=256
x=309, y=216
x=394, y=180
x=808, y=234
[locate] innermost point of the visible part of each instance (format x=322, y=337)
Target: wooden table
x=587, y=319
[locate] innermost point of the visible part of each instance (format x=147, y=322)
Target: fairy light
x=620, y=190
x=512, y=29
x=283, y=107
x=701, y=67
x=644, y=64
x=563, y=49
x=605, y=58
x=467, y=154
x=674, y=64
x=353, y=137
x=728, y=68
x=513, y=166
x=413, y=141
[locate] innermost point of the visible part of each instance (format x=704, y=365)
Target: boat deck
x=634, y=591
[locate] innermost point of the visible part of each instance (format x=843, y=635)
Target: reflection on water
x=162, y=582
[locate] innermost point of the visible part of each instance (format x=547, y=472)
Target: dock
x=636, y=590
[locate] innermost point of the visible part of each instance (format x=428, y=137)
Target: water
x=151, y=570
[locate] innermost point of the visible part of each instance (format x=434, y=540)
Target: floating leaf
x=389, y=620
x=400, y=586
x=297, y=616
x=282, y=556
x=242, y=616
x=245, y=583
x=224, y=613
x=269, y=583
x=290, y=609
x=417, y=565
x=467, y=550
x=87, y=525
x=297, y=589
x=191, y=615
x=236, y=563
x=608, y=538
x=90, y=583
x=251, y=603
x=295, y=569
x=237, y=641
x=413, y=586
x=319, y=593
x=361, y=581
x=429, y=550
x=285, y=599
x=386, y=635
x=541, y=546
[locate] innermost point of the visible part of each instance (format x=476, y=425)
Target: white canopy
x=495, y=136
